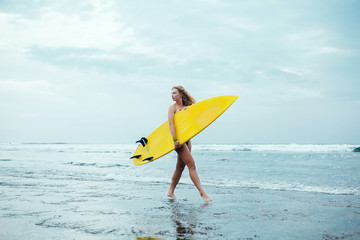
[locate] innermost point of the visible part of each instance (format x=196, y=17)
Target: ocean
x=259, y=191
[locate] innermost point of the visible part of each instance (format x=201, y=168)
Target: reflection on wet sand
x=145, y=238
x=185, y=219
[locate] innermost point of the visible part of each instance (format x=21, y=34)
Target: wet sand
x=146, y=212
x=94, y=192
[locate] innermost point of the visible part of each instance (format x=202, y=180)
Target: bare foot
x=206, y=197
x=172, y=195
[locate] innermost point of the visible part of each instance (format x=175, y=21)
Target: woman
x=182, y=100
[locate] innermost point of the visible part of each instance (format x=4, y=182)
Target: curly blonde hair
x=186, y=97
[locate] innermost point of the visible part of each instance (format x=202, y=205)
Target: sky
x=97, y=71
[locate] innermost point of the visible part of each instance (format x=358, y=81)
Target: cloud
x=316, y=42
x=239, y=23
x=289, y=70
x=88, y=62
x=323, y=50
x=37, y=86
x=101, y=29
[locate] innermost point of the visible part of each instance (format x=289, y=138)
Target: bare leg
x=187, y=158
x=180, y=165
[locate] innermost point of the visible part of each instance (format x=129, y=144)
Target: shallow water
x=89, y=191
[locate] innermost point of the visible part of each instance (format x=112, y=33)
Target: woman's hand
x=177, y=144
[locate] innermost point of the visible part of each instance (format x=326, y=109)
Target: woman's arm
x=171, y=114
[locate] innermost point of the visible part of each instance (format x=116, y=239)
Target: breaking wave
x=331, y=148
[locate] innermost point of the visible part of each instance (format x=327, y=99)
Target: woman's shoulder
x=172, y=107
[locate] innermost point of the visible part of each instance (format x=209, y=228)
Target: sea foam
x=331, y=148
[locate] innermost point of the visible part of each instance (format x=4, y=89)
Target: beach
x=259, y=191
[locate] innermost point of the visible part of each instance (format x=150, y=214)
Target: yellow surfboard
x=188, y=123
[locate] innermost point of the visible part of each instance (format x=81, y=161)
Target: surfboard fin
x=143, y=141
x=148, y=159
